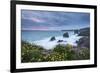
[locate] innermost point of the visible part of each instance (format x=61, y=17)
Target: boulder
x=60, y=41
x=66, y=34
x=75, y=31
x=52, y=38
x=84, y=42
x=84, y=32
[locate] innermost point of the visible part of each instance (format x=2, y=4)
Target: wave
x=47, y=44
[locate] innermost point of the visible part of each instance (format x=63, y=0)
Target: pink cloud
x=40, y=28
x=34, y=19
x=36, y=28
x=37, y=20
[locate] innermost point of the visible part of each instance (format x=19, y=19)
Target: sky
x=53, y=20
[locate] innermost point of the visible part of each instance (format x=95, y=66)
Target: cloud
x=34, y=19
x=31, y=15
x=37, y=20
x=36, y=28
x=50, y=19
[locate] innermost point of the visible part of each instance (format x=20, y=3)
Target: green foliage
x=34, y=53
x=54, y=57
x=68, y=47
x=69, y=55
x=30, y=52
x=65, y=51
x=85, y=53
x=59, y=48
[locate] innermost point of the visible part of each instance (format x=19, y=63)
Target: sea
x=35, y=35
x=42, y=38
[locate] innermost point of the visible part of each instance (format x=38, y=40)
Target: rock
x=52, y=38
x=84, y=42
x=76, y=41
x=75, y=31
x=84, y=32
x=66, y=34
x=60, y=41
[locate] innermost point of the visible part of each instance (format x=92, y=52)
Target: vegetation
x=34, y=53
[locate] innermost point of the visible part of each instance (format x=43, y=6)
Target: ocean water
x=42, y=38
x=35, y=35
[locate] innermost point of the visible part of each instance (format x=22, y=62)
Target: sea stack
x=52, y=38
x=66, y=35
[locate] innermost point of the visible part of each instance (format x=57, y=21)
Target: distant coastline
x=54, y=30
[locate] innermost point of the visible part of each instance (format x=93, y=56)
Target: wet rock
x=66, y=34
x=52, y=38
x=60, y=41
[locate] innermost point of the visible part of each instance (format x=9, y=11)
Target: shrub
x=55, y=56
x=65, y=51
x=69, y=47
x=34, y=53
x=85, y=53
x=30, y=52
x=59, y=48
x=36, y=56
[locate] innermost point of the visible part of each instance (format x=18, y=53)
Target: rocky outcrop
x=52, y=38
x=60, y=41
x=76, y=31
x=66, y=35
x=84, y=32
x=84, y=42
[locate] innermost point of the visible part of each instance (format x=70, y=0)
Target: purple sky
x=49, y=20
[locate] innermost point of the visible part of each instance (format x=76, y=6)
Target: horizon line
x=54, y=29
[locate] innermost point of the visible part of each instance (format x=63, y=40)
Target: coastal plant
x=85, y=53
x=35, y=53
x=59, y=48
x=55, y=57
x=36, y=56
x=65, y=51
x=68, y=47
x=30, y=52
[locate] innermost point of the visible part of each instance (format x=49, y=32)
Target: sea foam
x=47, y=44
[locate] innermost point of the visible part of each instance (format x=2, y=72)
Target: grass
x=34, y=53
